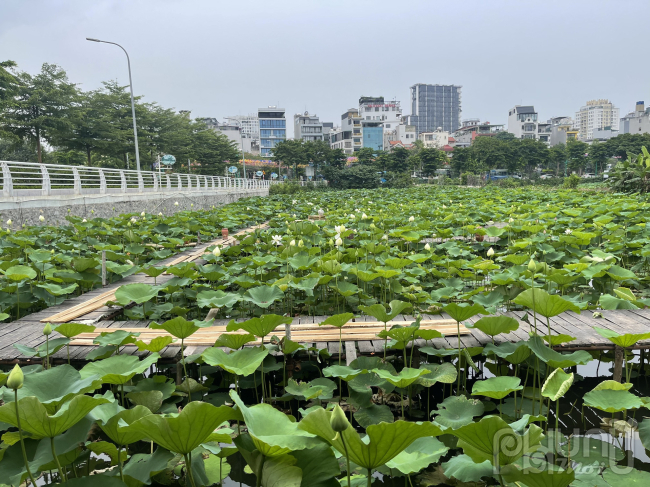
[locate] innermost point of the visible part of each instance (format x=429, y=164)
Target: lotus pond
x=284, y=414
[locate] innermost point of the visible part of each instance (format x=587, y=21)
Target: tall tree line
x=47, y=118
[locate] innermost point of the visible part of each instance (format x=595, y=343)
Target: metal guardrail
x=32, y=179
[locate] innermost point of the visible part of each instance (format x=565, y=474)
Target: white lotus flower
x=142, y=214
x=82, y=221
x=321, y=212
x=511, y=220
x=134, y=219
x=292, y=243
x=294, y=202
x=310, y=203
x=338, y=242
x=339, y=229
x=352, y=216
x=384, y=237
x=301, y=243
x=216, y=252
x=175, y=203
x=276, y=240
x=568, y=231
x=444, y=207
x=411, y=218
x=490, y=252
x=427, y=247
x=9, y=222
x=41, y=218
x=364, y=216
x=160, y=214
x=192, y=204
x=129, y=262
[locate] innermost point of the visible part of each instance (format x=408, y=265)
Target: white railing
x=32, y=179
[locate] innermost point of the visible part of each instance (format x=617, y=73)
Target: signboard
x=259, y=173
x=168, y=159
x=274, y=175
x=232, y=169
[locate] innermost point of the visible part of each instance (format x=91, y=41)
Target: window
x=376, y=109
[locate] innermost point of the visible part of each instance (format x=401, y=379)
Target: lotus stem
x=47, y=352
x=188, y=465
x=557, y=414
x=119, y=462
x=189, y=388
x=347, y=459
x=22, y=440
x=369, y=478
x=458, y=336
x=56, y=459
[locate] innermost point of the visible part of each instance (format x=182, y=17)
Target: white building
x=636, y=122
x=307, y=127
x=250, y=125
x=374, y=108
x=523, y=123
x=473, y=128
x=405, y=134
x=595, y=115
x=437, y=139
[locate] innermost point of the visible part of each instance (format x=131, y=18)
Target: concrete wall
x=26, y=210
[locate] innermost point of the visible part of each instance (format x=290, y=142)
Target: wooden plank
x=81, y=309
x=350, y=352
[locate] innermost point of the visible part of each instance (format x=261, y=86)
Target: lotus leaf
x=589, y=451
x=155, y=345
x=216, y=299
x=379, y=312
x=445, y=373
x=612, y=401
x=234, y=340
x=264, y=296
x=497, y=387
x=463, y=311
x=463, y=468
x=118, y=369
x=457, y=411
x=625, y=341
x=418, y=455
x=20, y=272
x=556, y=359
x=138, y=293
x=547, y=305
x=404, y=378
x=557, y=384
x=119, y=429
x=260, y=327
x=242, y=362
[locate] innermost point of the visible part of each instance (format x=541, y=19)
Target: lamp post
x=135, y=129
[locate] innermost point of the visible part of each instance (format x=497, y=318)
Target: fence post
x=77, y=180
x=169, y=181
x=46, y=180
x=155, y=182
x=7, y=186
x=180, y=181
x=102, y=182
x=140, y=182
x=123, y=181
x=103, y=268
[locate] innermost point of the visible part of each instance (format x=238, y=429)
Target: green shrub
x=571, y=182
x=632, y=175
x=398, y=180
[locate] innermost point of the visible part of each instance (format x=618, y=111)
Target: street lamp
x=135, y=129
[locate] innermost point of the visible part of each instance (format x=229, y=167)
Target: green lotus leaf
x=612, y=401
x=272, y=432
x=495, y=325
x=119, y=427
x=70, y=330
x=374, y=414
x=35, y=420
x=216, y=299
x=401, y=334
x=337, y=320
x=234, y=340
x=379, y=312
x=242, y=362
x=633, y=478
x=557, y=384
x=20, y=272
x=384, y=441
x=613, y=385
x=263, y=296
x=625, y=341
x=515, y=353
x=532, y=477
x=115, y=338
x=155, y=345
x=619, y=273
x=118, y=369
x=558, y=339
x=152, y=400
x=445, y=373
x=586, y=450
x=54, y=386
x=496, y=387
x=556, y=359
x=625, y=293
x=418, y=455
x=153, y=271
x=185, y=431
x=463, y=468
x=319, y=466
x=345, y=288
x=457, y=411
x=609, y=302
x=463, y=311
x=106, y=448
x=404, y=378
x=306, y=390
x=56, y=290
x=179, y=327
x=260, y=327
x=100, y=481
x=428, y=334
x=494, y=440
x=138, y=293
x=547, y=305
x=40, y=256
x=46, y=348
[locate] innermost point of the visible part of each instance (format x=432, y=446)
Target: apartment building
x=307, y=127
x=595, y=115
x=272, y=127
x=434, y=106
x=636, y=122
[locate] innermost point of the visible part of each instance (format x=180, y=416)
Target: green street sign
x=168, y=160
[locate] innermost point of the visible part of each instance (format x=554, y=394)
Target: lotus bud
x=292, y=243
x=216, y=252
x=47, y=330
x=339, y=242
x=294, y=215
x=9, y=222
x=83, y=221
x=175, y=203
x=598, y=314
x=321, y=212
x=531, y=266
x=338, y=421
x=160, y=214
x=41, y=218
x=384, y=237
x=16, y=378
x=372, y=225
x=364, y=216
x=330, y=242
x=411, y=218
x=142, y=214
x=427, y=247
x=511, y=220
x=352, y=217
x=490, y=252
x=192, y=205
x=444, y=207
x=301, y=243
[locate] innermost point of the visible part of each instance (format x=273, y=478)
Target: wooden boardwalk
x=28, y=331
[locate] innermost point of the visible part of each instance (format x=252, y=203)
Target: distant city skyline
x=221, y=60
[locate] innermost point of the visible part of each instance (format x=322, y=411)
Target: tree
x=503, y=135
x=627, y=144
x=398, y=160
x=491, y=153
x=576, y=151
x=598, y=156
x=366, y=156
x=336, y=158
x=9, y=86
x=432, y=159
x=292, y=153
x=557, y=157
x=42, y=106
x=529, y=154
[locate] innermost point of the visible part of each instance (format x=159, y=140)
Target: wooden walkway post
x=619, y=356
x=103, y=268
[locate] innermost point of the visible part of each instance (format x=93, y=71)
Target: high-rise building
x=273, y=128
x=596, y=115
x=636, y=122
x=307, y=127
x=435, y=106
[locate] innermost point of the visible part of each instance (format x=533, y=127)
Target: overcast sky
x=220, y=58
